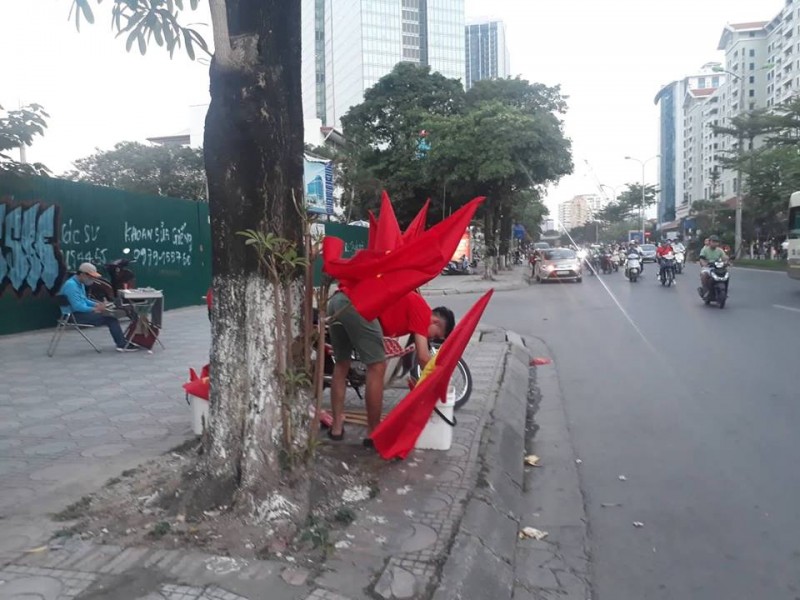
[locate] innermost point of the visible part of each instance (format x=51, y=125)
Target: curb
x=481, y=561
x=474, y=290
x=552, y=499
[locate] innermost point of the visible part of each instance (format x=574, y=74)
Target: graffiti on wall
x=80, y=243
x=30, y=258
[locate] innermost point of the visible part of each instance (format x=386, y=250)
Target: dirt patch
x=160, y=504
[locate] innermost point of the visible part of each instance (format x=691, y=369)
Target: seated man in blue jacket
x=90, y=312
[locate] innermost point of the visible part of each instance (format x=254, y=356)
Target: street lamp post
x=643, y=163
x=737, y=244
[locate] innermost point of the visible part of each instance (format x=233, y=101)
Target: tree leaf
x=187, y=38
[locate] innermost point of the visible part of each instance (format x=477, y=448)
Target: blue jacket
x=75, y=292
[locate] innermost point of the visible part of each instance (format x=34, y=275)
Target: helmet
x=713, y=238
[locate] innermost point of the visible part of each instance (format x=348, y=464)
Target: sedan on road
x=648, y=252
x=557, y=264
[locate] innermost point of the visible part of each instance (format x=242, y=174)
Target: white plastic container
x=199, y=415
x=438, y=434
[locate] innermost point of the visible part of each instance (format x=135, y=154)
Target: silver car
x=648, y=252
x=558, y=264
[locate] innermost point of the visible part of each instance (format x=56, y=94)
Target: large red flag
x=417, y=226
x=396, y=435
x=372, y=236
x=374, y=279
x=388, y=236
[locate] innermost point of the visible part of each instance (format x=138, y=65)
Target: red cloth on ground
x=409, y=315
x=375, y=278
x=396, y=435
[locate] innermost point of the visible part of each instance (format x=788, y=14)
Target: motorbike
x=605, y=263
x=457, y=268
x=667, y=272
x=680, y=260
x=720, y=278
x=401, y=363
x=615, y=260
x=120, y=276
x=633, y=268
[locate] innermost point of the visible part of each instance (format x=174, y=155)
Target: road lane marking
x=782, y=307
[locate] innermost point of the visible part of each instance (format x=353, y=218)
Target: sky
x=610, y=57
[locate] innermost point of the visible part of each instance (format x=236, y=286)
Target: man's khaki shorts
x=350, y=331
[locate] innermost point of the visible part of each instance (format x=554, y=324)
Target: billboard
x=318, y=185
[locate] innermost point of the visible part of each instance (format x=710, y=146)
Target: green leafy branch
x=146, y=20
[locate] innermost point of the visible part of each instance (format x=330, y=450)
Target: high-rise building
x=578, y=210
x=348, y=45
x=487, y=55
x=674, y=100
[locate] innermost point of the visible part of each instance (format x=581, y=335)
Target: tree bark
x=253, y=154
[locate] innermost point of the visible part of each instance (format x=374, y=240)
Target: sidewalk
x=72, y=422
x=445, y=285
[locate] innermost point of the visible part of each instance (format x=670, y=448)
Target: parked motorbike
x=119, y=276
x=457, y=268
x=667, y=271
x=397, y=369
x=680, y=260
x=633, y=268
x=720, y=278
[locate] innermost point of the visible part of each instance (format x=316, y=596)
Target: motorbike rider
x=661, y=252
x=633, y=248
x=710, y=254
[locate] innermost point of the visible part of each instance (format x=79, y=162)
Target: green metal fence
x=49, y=226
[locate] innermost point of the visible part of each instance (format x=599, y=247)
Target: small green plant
x=315, y=532
x=160, y=529
x=344, y=516
x=74, y=511
x=374, y=489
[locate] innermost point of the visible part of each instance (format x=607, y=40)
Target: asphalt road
x=699, y=409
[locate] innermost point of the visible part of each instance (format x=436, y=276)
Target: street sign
x=635, y=234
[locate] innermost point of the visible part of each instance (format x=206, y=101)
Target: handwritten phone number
x=147, y=257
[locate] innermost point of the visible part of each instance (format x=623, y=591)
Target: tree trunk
x=253, y=154
x=489, y=241
x=506, y=232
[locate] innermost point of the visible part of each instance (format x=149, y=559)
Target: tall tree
x=628, y=204
x=175, y=171
x=253, y=156
x=18, y=128
x=498, y=150
x=384, y=131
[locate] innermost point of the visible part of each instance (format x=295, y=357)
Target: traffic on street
x=684, y=418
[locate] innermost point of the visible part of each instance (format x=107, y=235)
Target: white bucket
x=438, y=434
x=199, y=415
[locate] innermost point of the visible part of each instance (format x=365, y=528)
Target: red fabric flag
x=373, y=231
x=417, y=226
x=374, y=279
x=198, y=385
x=396, y=435
x=388, y=236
